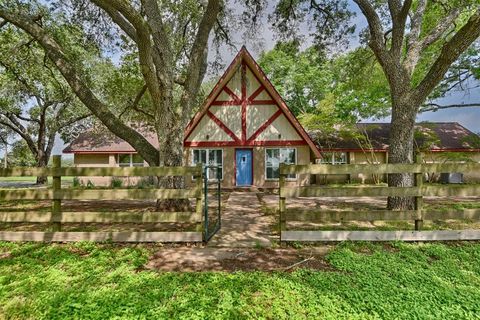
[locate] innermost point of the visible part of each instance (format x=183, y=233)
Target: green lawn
x=65, y=180
x=84, y=280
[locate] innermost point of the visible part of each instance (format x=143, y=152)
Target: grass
x=65, y=180
x=368, y=281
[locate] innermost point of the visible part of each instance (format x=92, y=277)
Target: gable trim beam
x=222, y=126
x=265, y=125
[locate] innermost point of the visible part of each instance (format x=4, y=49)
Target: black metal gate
x=212, y=206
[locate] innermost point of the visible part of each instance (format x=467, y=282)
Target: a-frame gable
x=244, y=109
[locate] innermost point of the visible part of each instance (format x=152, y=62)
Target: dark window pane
x=124, y=160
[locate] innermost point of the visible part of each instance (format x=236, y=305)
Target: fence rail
x=56, y=215
x=418, y=191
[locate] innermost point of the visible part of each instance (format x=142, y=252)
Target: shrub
x=77, y=182
x=116, y=182
x=90, y=184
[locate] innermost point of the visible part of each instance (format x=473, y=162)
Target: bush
x=76, y=182
x=116, y=182
x=90, y=184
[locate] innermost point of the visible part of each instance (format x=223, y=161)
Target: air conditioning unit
x=451, y=177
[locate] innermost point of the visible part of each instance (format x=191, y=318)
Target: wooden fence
x=418, y=191
x=56, y=194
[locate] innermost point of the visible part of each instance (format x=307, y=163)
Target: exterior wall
x=439, y=157
x=382, y=157
x=366, y=158
x=101, y=160
x=303, y=157
x=356, y=158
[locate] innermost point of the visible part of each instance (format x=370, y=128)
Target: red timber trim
x=225, y=103
x=235, y=166
x=257, y=102
x=223, y=126
x=265, y=125
x=231, y=94
x=244, y=101
x=270, y=143
x=102, y=152
x=256, y=92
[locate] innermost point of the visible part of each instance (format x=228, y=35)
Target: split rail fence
x=56, y=194
x=419, y=214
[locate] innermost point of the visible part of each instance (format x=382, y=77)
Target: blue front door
x=243, y=158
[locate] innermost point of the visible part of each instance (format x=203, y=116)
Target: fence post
x=199, y=199
x=282, y=202
x=419, y=199
x=56, y=187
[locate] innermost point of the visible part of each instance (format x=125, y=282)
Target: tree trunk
x=171, y=153
x=42, y=162
x=401, y=150
x=5, y=157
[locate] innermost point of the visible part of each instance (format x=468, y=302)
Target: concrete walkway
x=244, y=224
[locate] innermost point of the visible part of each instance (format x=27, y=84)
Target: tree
x=416, y=43
x=170, y=41
x=5, y=135
x=36, y=103
x=20, y=155
x=303, y=78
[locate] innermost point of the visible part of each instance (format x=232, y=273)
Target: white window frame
x=265, y=164
x=335, y=156
x=130, y=165
x=207, y=151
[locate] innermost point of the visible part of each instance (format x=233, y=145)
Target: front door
x=244, y=167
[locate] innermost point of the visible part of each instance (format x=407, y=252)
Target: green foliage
x=116, y=182
x=20, y=155
x=76, y=182
x=364, y=281
x=90, y=184
x=324, y=92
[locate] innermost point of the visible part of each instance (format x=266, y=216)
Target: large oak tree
x=170, y=39
x=415, y=43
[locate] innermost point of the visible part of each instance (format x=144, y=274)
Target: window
x=130, y=160
x=210, y=157
x=273, y=158
x=334, y=158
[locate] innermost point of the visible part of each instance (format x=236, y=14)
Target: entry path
x=244, y=224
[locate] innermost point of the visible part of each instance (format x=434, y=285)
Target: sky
x=468, y=117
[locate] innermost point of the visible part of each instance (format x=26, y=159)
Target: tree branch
x=399, y=15
x=450, y=52
x=440, y=29
x=414, y=45
x=376, y=30
x=198, y=54
x=56, y=54
x=435, y=107
x=117, y=18
x=20, y=130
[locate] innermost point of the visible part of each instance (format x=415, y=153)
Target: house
x=368, y=144
x=245, y=128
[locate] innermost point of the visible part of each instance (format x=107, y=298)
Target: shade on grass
x=86, y=280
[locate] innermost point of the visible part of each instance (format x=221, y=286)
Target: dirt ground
x=238, y=259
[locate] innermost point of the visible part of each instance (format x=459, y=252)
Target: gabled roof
x=433, y=136
x=100, y=140
x=244, y=57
